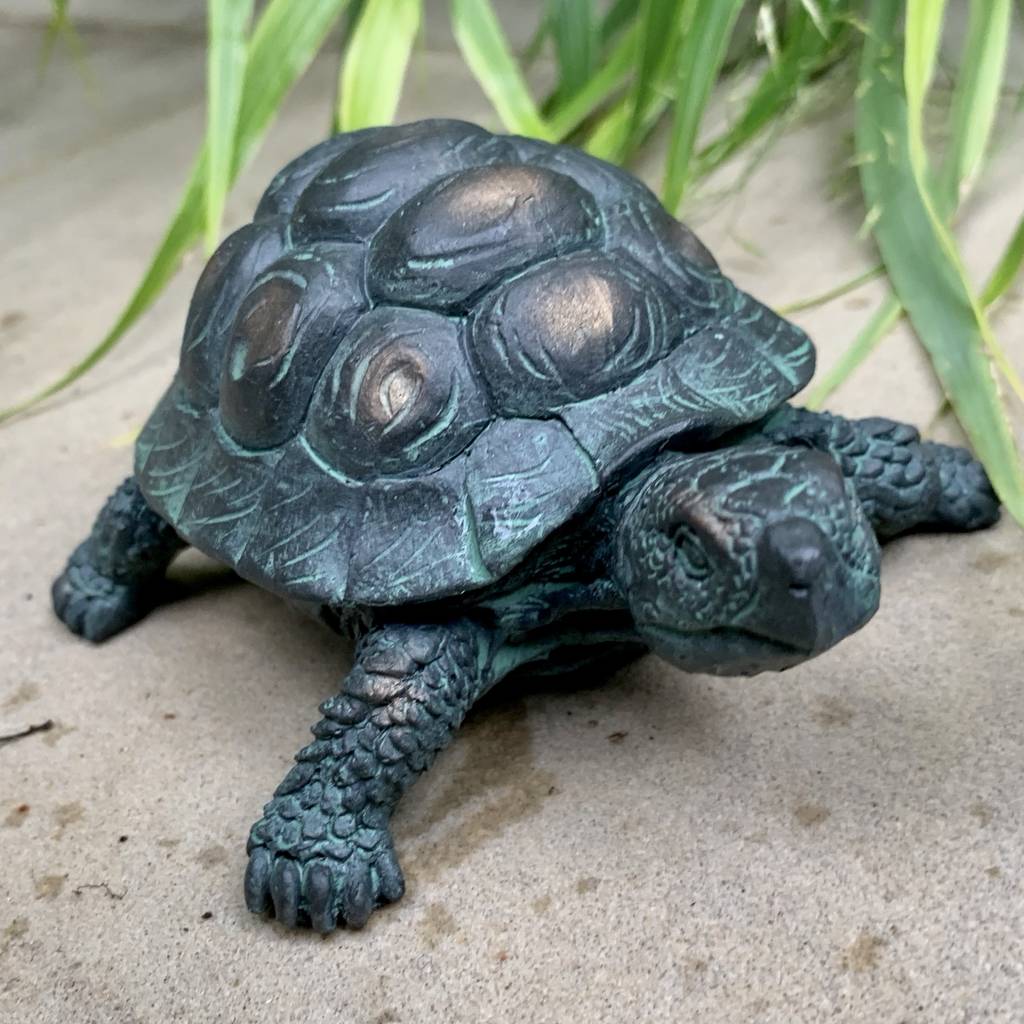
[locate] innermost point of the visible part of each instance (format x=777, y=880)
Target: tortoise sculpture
x=482, y=403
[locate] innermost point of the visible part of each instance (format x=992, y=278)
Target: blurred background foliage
x=627, y=71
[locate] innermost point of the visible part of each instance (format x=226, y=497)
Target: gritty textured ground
x=843, y=842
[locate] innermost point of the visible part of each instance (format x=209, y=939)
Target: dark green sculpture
x=482, y=403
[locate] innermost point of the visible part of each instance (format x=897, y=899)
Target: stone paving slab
x=841, y=842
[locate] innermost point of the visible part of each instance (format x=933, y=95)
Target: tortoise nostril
x=805, y=564
x=798, y=547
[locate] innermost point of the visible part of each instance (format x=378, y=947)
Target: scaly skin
x=902, y=482
x=738, y=560
x=322, y=852
x=114, y=577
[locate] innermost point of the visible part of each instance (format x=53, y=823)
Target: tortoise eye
x=690, y=552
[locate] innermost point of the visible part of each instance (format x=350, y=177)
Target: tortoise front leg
x=903, y=482
x=322, y=853
x=115, y=576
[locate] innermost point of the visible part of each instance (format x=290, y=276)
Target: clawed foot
x=967, y=501
x=95, y=606
x=320, y=855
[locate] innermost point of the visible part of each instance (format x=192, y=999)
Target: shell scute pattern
x=571, y=328
x=285, y=331
x=467, y=231
x=222, y=286
x=432, y=348
x=398, y=395
x=353, y=195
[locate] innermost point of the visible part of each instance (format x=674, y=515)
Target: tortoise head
x=745, y=559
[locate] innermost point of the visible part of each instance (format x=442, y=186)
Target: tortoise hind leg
x=116, y=575
x=965, y=498
x=903, y=483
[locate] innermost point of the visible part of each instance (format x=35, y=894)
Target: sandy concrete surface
x=843, y=842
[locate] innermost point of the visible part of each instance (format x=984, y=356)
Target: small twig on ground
x=79, y=889
x=28, y=730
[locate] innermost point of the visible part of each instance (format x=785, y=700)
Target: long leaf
x=976, y=95
x=921, y=48
x=659, y=29
x=186, y=228
x=831, y=294
x=617, y=135
x=619, y=15
x=921, y=45
x=280, y=49
x=920, y=255
x=375, y=63
x=486, y=51
x=629, y=121
x=1007, y=268
x=700, y=61
x=574, y=29
x=228, y=22
x=568, y=113
x=881, y=322
x=805, y=54
x=885, y=317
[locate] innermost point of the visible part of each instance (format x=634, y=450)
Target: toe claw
x=391, y=880
x=257, y=881
x=357, y=897
x=320, y=895
x=285, y=885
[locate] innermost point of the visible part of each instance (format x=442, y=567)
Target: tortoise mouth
x=725, y=650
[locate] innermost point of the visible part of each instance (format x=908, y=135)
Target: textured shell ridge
x=432, y=348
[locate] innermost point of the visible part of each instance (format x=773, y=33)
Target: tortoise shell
x=433, y=347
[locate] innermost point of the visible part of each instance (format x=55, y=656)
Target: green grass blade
x=281, y=48
x=921, y=43
x=619, y=15
x=863, y=345
x=59, y=26
x=833, y=293
x=700, y=61
x=1009, y=265
x=567, y=114
x=574, y=30
x=976, y=95
x=660, y=25
x=921, y=48
x=56, y=25
x=186, y=228
x=806, y=54
x=616, y=136
x=919, y=253
x=767, y=30
x=625, y=126
x=372, y=73
x=1007, y=268
x=535, y=47
x=228, y=22
x=486, y=52
x=814, y=13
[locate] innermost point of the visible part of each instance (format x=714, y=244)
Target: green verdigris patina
x=479, y=401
